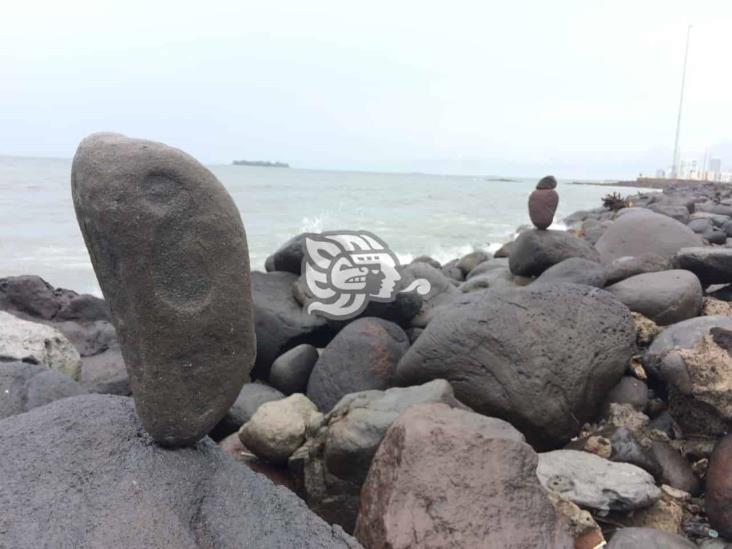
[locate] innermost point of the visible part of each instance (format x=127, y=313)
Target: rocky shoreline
x=575, y=387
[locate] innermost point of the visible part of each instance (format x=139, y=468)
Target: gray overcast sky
x=578, y=88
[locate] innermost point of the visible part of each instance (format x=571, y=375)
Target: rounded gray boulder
x=640, y=232
x=665, y=297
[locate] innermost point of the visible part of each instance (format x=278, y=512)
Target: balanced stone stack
x=543, y=203
x=170, y=254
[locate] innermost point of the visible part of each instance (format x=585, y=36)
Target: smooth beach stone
x=534, y=251
x=547, y=182
x=665, y=297
x=542, y=207
x=625, y=267
x=288, y=257
x=170, y=254
x=711, y=265
x=291, y=370
x=638, y=231
x=575, y=270
x=364, y=355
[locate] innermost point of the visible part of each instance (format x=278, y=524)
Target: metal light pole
x=675, y=166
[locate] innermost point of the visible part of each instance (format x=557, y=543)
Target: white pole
x=675, y=167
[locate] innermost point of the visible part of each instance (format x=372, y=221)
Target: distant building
x=715, y=169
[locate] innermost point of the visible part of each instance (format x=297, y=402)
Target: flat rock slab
x=103, y=482
x=596, y=483
x=170, y=254
x=711, y=265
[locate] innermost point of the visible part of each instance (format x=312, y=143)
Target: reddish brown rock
x=719, y=488
x=449, y=478
x=542, y=207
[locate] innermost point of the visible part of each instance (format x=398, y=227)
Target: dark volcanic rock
x=100, y=481
x=335, y=460
x=575, y=270
x=665, y=297
x=289, y=256
x=27, y=386
x=648, y=538
x=435, y=466
x=719, y=488
x=362, y=356
x=84, y=307
x=28, y=294
x=169, y=250
x=625, y=267
x=711, y=265
x=281, y=322
x=640, y=232
x=542, y=207
x=505, y=356
x=291, y=370
x=533, y=252
x=31, y=295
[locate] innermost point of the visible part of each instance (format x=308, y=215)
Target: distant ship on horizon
x=260, y=163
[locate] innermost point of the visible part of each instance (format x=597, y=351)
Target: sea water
x=443, y=216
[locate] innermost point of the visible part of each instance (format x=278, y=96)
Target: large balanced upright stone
x=169, y=250
x=543, y=203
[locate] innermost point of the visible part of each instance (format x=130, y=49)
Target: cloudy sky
x=580, y=88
